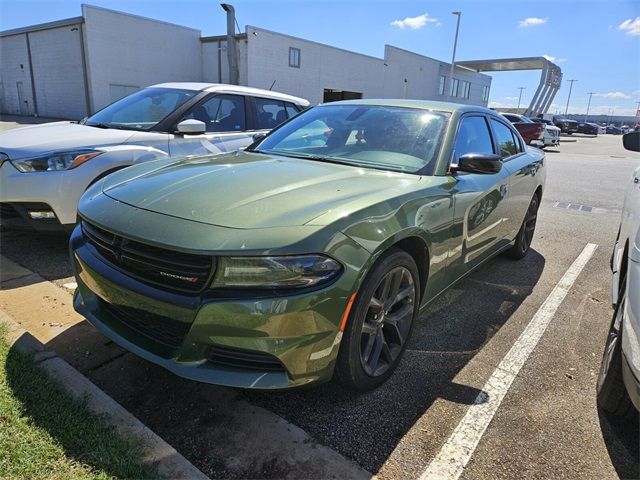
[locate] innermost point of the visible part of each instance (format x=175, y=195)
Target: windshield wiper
x=115, y=127
x=307, y=156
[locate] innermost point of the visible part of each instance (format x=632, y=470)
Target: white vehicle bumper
x=25, y=197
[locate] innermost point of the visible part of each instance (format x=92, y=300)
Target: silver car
x=44, y=169
x=618, y=386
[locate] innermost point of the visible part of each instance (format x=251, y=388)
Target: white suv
x=44, y=169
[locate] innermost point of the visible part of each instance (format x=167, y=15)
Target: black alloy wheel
x=388, y=321
x=380, y=323
x=525, y=234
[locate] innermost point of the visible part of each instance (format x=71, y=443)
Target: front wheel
x=525, y=234
x=380, y=323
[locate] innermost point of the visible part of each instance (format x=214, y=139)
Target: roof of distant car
x=226, y=88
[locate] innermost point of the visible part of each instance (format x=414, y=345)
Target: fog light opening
x=42, y=215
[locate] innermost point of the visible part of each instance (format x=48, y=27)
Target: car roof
x=238, y=89
x=421, y=104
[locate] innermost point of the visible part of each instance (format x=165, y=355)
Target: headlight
x=275, y=272
x=55, y=161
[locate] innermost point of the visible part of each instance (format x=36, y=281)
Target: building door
x=23, y=103
x=331, y=95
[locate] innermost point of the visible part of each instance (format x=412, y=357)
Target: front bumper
x=58, y=191
x=266, y=343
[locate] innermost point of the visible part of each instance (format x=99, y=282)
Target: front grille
x=7, y=211
x=164, y=330
x=232, y=357
x=162, y=267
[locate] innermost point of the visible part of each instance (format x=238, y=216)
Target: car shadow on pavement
x=622, y=439
x=198, y=419
x=367, y=426
x=46, y=253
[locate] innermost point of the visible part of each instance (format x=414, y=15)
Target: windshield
x=141, y=110
x=385, y=137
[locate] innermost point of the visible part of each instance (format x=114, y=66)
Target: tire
x=380, y=324
x=525, y=234
x=611, y=393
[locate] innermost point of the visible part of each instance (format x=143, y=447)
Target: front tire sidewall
x=521, y=246
x=349, y=369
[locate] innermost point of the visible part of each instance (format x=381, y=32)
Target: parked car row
x=535, y=133
x=308, y=254
x=565, y=125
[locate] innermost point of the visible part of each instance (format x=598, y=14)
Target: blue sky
x=595, y=42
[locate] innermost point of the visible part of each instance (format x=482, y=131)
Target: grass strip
x=46, y=433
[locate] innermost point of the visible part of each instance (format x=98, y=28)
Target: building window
x=466, y=87
x=453, y=92
x=485, y=93
x=441, y=85
x=294, y=57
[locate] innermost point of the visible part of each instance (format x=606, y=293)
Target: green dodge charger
x=312, y=253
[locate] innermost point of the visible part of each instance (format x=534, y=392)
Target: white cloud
x=551, y=58
x=510, y=98
x=614, y=95
x=531, y=21
x=415, y=23
x=631, y=27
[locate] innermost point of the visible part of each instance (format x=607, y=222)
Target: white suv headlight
x=55, y=161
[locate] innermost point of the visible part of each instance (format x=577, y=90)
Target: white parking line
x=455, y=454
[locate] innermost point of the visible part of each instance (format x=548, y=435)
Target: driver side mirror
x=487, y=163
x=191, y=127
x=631, y=141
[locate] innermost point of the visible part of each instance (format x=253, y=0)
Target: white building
x=74, y=67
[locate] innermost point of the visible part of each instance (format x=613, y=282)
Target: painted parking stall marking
x=455, y=454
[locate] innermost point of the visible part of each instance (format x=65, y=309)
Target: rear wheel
x=525, y=234
x=611, y=393
x=380, y=323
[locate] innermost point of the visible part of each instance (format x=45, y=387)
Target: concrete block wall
x=15, y=76
x=321, y=66
x=131, y=51
x=56, y=57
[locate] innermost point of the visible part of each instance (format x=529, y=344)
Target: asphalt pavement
x=547, y=426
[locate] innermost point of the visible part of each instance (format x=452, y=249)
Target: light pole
x=453, y=58
x=569, y=97
x=586, y=117
x=520, y=96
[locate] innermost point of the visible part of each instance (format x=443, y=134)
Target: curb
x=169, y=462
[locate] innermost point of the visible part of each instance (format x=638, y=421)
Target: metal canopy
x=550, y=78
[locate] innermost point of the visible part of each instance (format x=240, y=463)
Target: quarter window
x=294, y=57
x=222, y=113
x=292, y=111
x=507, y=143
x=473, y=137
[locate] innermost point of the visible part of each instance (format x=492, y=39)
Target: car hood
x=249, y=190
x=58, y=136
